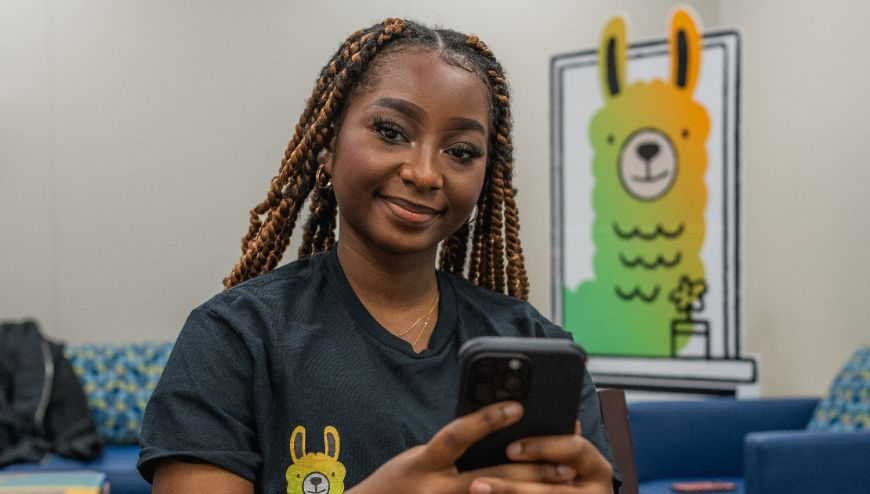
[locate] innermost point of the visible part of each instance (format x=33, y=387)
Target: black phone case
x=552, y=401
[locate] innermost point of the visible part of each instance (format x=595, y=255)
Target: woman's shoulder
x=298, y=272
x=468, y=292
x=501, y=310
x=273, y=296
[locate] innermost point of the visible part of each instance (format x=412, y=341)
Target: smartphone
x=545, y=375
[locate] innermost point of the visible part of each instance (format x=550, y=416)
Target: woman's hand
x=592, y=473
x=569, y=464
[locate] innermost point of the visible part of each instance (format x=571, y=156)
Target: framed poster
x=646, y=208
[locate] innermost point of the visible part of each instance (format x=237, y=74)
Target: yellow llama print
x=315, y=473
x=649, y=198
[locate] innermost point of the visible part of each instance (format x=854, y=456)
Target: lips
x=411, y=212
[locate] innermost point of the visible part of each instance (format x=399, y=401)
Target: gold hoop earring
x=473, y=216
x=318, y=180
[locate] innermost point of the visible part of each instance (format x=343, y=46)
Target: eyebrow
x=415, y=112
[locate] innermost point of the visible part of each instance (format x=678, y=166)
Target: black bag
x=43, y=408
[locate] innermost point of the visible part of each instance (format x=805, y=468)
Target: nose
x=648, y=150
x=421, y=171
x=316, y=481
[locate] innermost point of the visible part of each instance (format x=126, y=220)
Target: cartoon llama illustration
x=649, y=199
x=315, y=473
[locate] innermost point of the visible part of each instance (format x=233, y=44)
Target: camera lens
x=483, y=393
x=511, y=382
x=485, y=368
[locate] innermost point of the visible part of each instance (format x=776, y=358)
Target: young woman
x=339, y=371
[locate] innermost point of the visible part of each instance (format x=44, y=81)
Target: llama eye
x=685, y=133
x=610, y=139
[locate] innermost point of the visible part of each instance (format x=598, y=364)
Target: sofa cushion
x=847, y=406
x=118, y=380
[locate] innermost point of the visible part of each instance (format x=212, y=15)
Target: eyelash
x=463, y=152
x=381, y=126
x=467, y=152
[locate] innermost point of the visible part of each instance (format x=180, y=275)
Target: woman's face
x=409, y=159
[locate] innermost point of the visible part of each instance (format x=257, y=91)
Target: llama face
x=315, y=473
x=647, y=164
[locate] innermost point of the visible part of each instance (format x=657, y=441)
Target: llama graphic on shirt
x=315, y=473
x=649, y=199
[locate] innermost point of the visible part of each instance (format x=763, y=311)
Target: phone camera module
x=483, y=393
x=512, y=382
x=485, y=368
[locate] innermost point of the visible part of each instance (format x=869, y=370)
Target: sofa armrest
x=704, y=438
x=807, y=462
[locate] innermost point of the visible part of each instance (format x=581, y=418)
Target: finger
x=578, y=429
x=573, y=451
x=453, y=439
x=530, y=472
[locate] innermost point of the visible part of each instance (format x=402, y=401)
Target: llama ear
x=297, y=443
x=611, y=58
x=331, y=448
x=684, y=46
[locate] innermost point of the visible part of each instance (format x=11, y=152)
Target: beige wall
x=805, y=182
x=135, y=136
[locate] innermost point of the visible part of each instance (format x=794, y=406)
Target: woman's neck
x=387, y=279
x=400, y=292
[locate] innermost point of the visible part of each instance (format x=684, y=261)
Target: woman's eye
x=465, y=152
x=388, y=131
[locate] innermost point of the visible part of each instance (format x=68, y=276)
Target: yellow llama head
x=315, y=473
x=649, y=138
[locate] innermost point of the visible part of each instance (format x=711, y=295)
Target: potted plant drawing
x=688, y=298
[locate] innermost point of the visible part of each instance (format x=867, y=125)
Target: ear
x=324, y=159
x=611, y=58
x=297, y=451
x=684, y=46
x=331, y=432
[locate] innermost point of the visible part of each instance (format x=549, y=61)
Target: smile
x=411, y=212
x=654, y=178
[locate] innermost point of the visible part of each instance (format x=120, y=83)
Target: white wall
x=806, y=175
x=135, y=136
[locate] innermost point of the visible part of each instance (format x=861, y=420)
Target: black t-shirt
x=287, y=378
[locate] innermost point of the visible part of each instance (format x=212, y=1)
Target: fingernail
x=512, y=410
x=566, y=472
x=514, y=450
x=481, y=488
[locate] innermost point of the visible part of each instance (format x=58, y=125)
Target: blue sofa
x=761, y=445
x=117, y=380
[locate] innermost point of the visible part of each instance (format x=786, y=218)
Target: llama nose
x=648, y=150
x=316, y=481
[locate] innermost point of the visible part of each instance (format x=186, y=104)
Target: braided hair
x=496, y=257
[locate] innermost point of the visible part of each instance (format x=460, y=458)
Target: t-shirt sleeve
x=202, y=408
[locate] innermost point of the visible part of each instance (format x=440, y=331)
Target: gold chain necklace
x=427, y=315
x=426, y=322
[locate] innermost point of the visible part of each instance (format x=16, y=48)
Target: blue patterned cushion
x=847, y=407
x=118, y=380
